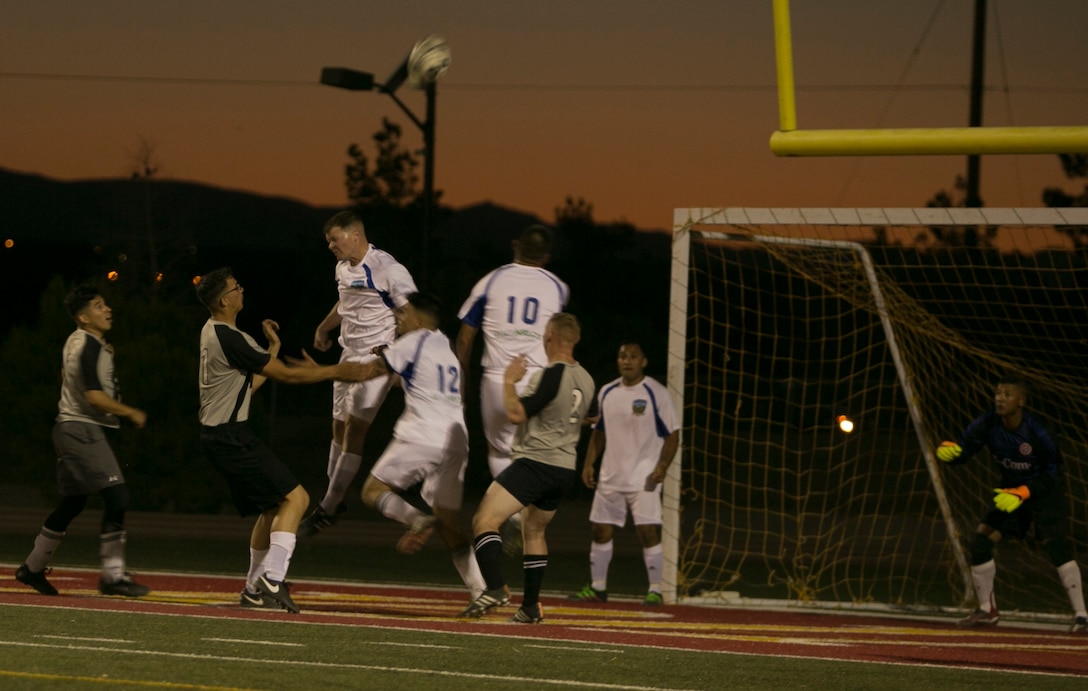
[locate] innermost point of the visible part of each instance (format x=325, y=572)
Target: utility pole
x=974, y=117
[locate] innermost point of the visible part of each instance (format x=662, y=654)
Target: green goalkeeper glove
x=1010, y=499
x=949, y=451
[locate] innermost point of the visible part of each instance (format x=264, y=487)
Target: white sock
x=347, y=467
x=334, y=455
x=112, y=552
x=257, y=558
x=983, y=578
x=391, y=505
x=279, y=554
x=600, y=556
x=44, y=546
x=464, y=560
x=655, y=562
x=1069, y=572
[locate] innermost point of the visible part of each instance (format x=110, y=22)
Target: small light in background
x=9, y=243
x=113, y=276
x=158, y=277
x=845, y=423
x=196, y=280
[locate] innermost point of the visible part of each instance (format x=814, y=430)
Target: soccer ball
x=429, y=60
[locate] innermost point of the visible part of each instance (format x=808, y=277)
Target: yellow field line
x=114, y=681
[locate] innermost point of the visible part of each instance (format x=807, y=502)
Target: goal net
x=901, y=320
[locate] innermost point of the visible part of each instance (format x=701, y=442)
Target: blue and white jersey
x=635, y=421
x=511, y=306
x=431, y=376
x=369, y=293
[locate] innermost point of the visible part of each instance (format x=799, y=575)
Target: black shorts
x=536, y=483
x=1046, y=512
x=257, y=478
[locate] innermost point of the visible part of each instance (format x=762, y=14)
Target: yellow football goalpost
x=791, y=141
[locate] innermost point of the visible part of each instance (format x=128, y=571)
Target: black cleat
x=126, y=587
x=528, y=616
x=278, y=592
x=319, y=519
x=35, y=579
x=256, y=600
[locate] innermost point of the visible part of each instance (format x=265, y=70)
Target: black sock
x=534, y=566
x=488, y=548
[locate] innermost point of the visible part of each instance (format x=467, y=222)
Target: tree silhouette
x=392, y=182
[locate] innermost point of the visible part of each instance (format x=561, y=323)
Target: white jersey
x=369, y=292
x=635, y=420
x=512, y=305
x=431, y=376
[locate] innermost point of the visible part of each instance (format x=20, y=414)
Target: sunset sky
x=637, y=106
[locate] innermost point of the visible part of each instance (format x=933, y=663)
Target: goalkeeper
x=1032, y=490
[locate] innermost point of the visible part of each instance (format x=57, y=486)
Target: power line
x=456, y=86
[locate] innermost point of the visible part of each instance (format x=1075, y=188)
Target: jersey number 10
x=529, y=310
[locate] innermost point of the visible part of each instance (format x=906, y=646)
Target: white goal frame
x=684, y=220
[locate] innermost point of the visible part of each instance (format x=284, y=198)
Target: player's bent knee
x=982, y=549
x=1059, y=550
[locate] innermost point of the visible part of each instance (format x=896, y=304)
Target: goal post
x=902, y=319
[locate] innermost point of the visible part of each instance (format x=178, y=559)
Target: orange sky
x=637, y=106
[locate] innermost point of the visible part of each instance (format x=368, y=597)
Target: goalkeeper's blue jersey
x=1024, y=454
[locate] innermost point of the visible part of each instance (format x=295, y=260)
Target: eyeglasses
x=236, y=287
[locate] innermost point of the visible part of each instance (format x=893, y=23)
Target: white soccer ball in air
x=429, y=60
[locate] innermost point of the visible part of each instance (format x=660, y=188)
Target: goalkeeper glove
x=1010, y=499
x=949, y=451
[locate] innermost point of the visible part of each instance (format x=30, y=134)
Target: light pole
x=429, y=60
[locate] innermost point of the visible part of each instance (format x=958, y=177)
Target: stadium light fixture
x=354, y=80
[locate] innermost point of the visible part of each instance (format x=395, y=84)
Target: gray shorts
x=85, y=461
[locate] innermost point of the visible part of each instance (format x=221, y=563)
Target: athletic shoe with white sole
x=278, y=592
x=491, y=598
x=1080, y=625
x=534, y=615
x=653, y=599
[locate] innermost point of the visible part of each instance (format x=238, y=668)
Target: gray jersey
x=228, y=360
x=88, y=366
x=556, y=401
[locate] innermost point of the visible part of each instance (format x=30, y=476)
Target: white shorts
x=359, y=399
x=498, y=429
x=442, y=471
x=610, y=507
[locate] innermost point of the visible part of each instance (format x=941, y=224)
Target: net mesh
x=784, y=333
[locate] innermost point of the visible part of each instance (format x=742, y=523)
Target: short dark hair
x=427, y=305
x=343, y=219
x=79, y=297
x=535, y=243
x=633, y=342
x=211, y=285
x=1017, y=380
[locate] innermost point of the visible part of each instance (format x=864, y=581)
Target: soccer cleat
x=491, y=598
x=126, y=587
x=979, y=618
x=653, y=599
x=35, y=579
x=278, y=592
x=256, y=600
x=524, y=616
x=417, y=535
x=588, y=594
x=319, y=519
x=1080, y=625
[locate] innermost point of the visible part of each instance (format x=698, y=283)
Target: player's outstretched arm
x=100, y=400
x=270, y=328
